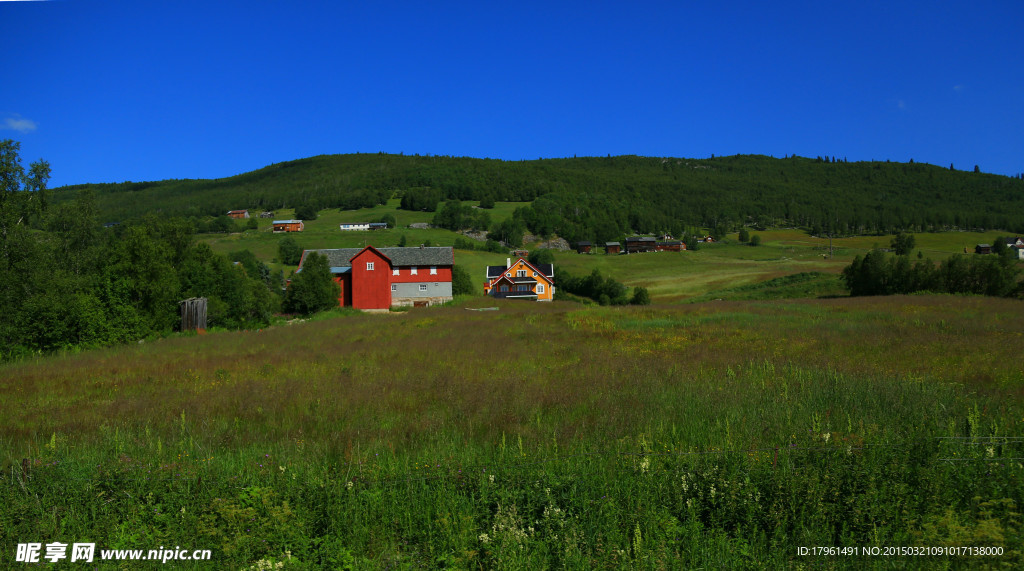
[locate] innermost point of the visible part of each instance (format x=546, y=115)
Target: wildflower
x=491, y=478
x=484, y=538
x=826, y=436
x=349, y=484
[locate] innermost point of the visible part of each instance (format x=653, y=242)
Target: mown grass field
x=717, y=434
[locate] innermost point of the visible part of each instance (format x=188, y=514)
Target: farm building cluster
x=636, y=245
x=372, y=278
x=379, y=278
x=1014, y=244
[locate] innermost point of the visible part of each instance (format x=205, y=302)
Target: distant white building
x=363, y=226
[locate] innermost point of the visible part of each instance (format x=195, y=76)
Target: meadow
x=713, y=434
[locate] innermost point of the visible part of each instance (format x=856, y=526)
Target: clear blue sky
x=109, y=91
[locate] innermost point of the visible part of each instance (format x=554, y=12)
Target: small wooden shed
x=288, y=226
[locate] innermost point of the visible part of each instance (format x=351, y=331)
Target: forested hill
x=603, y=197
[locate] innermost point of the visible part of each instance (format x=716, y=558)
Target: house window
x=394, y=272
x=504, y=288
x=413, y=271
x=369, y=266
x=520, y=273
x=394, y=287
x=522, y=287
x=540, y=288
x=423, y=287
x=433, y=270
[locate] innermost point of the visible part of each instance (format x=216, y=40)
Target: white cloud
x=19, y=124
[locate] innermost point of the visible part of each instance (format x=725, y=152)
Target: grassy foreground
x=722, y=434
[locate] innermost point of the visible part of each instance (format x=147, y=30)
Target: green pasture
x=723, y=435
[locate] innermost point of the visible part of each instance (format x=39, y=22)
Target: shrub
x=462, y=283
x=313, y=289
x=288, y=251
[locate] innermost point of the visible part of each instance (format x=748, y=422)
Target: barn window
x=433, y=270
x=394, y=287
x=369, y=266
x=394, y=272
x=423, y=287
x=413, y=271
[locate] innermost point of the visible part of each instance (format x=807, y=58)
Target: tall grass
x=539, y=435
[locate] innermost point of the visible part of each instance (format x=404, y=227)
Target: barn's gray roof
x=427, y=256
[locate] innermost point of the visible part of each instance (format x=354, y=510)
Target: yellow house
x=521, y=280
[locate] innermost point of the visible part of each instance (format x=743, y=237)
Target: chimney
x=508, y=263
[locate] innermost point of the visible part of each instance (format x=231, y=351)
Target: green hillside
x=604, y=198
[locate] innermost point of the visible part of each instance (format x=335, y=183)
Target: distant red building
x=288, y=226
x=238, y=213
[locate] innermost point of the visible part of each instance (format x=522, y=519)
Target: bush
x=313, y=289
x=306, y=212
x=640, y=296
x=288, y=251
x=902, y=244
x=542, y=256
x=462, y=283
x=755, y=240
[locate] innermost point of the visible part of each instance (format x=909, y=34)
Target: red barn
x=379, y=278
x=237, y=214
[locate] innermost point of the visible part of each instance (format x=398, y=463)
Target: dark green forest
x=595, y=198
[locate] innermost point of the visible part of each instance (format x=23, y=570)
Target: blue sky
x=109, y=91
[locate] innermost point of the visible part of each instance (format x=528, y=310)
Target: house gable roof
x=399, y=257
x=545, y=271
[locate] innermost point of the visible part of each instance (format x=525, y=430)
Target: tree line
x=882, y=273
x=67, y=282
